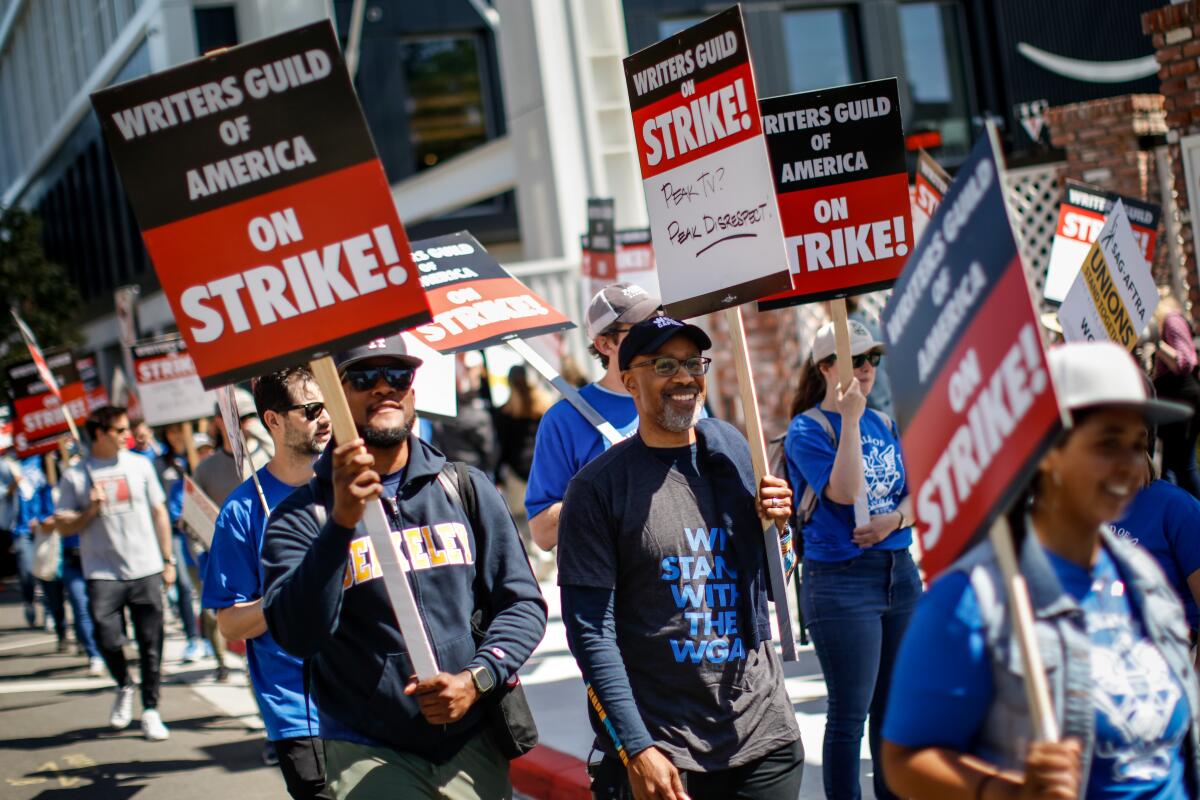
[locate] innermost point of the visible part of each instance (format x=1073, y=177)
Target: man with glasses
x=565, y=439
x=114, y=501
x=664, y=593
x=386, y=734
x=289, y=403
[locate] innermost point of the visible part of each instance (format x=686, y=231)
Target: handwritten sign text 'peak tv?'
x=705, y=171
x=262, y=204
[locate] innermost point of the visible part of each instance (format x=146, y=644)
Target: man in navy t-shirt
x=565, y=440
x=290, y=405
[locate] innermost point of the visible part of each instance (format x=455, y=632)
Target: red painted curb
x=548, y=774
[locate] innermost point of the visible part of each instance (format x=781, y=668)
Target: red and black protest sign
x=929, y=187
x=475, y=302
x=970, y=386
x=1081, y=215
x=600, y=257
x=705, y=171
x=838, y=161
x=262, y=203
x=38, y=416
x=97, y=396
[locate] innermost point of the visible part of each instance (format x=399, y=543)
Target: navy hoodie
x=323, y=602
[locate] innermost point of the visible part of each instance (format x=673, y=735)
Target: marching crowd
x=662, y=571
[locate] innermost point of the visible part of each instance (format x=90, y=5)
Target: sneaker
x=192, y=651
x=152, y=726
x=122, y=710
x=208, y=649
x=96, y=666
x=269, y=757
x=30, y=616
x=63, y=645
x=222, y=674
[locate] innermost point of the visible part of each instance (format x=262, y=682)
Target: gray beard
x=678, y=422
x=385, y=438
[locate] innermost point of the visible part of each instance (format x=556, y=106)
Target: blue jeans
x=184, y=590
x=856, y=612
x=77, y=596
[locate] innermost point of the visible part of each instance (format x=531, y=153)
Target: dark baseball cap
x=650, y=334
x=388, y=347
x=619, y=302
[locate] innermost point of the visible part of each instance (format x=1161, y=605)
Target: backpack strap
x=888, y=422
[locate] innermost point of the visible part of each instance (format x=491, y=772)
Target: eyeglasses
x=860, y=359
x=667, y=366
x=366, y=378
x=311, y=410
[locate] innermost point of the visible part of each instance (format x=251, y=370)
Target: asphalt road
x=55, y=741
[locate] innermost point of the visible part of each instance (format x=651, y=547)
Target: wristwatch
x=170, y=561
x=482, y=678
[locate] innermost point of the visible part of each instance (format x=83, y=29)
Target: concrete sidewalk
x=556, y=694
x=56, y=738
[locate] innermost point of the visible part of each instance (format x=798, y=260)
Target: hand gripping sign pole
x=845, y=367
x=376, y=523
x=758, y=456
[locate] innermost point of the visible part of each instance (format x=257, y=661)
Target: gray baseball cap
x=619, y=302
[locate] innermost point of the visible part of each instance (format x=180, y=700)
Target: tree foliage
x=38, y=288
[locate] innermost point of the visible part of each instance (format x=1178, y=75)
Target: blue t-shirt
x=233, y=574
x=942, y=683
x=566, y=442
x=810, y=454
x=1165, y=520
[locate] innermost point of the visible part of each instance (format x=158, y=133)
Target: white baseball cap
x=1091, y=374
x=861, y=341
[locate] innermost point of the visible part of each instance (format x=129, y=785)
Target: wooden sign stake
x=1037, y=690
x=376, y=524
x=758, y=456
x=845, y=367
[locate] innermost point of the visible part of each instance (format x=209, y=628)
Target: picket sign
x=572, y=395
x=845, y=366
x=227, y=402
x=199, y=512
x=758, y=456
x=43, y=369
x=375, y=521
x=1020, y=608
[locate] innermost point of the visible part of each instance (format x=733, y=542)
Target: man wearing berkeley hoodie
x=387, y=734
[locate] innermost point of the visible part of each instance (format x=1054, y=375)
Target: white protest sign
x=199, y=512
x=167, y=383
x=709, y=190
x=433, y=386
x=1114, y=294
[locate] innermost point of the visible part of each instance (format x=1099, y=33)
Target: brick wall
x=1175, y=33
x=1102, y=142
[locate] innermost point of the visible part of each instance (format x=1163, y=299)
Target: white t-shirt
x=120, y=544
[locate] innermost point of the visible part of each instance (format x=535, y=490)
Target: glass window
x=216, y=27
x=446, y=115
x=821, y=48
x=670, y=27
x=931, y=38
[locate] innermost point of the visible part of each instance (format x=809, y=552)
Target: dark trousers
x=143, y=598
x=302, y=762
x=185, y=593
x=857, y=611
x=775, y=776
x=1179, y=438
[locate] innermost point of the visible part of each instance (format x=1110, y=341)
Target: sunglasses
x=860, y=359
x=311, y=410
x=667, y=366
x=366, y=378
